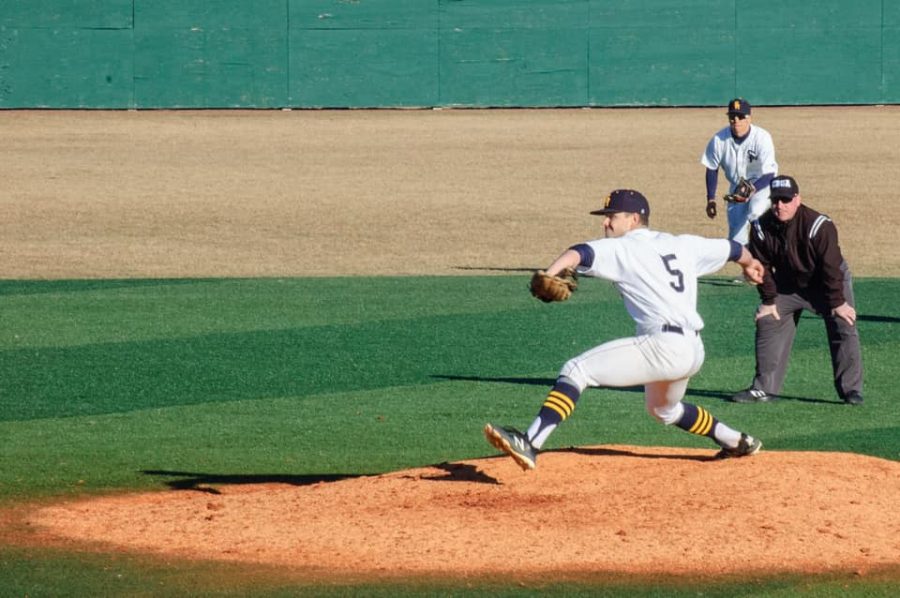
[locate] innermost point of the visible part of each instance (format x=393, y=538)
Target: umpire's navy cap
x=739, y=106
x=624, y=200
x=783, y=187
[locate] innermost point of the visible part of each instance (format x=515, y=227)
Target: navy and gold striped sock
x=697, y=420
x=560, y=403
x=557, y=407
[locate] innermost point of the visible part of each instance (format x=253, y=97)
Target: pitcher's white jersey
x=656, y=274
x=752, y=158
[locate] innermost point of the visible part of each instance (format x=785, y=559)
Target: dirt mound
x=616, y=509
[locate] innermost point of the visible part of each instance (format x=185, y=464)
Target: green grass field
x=155, y=384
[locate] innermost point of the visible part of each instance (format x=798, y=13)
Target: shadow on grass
x=40, y=287
x=494, y=269
x=549, y=382
x=204, y=482
x=726, y=397
x=859, y=318
x=503, y=379
x=890, y=319
x=608, y=452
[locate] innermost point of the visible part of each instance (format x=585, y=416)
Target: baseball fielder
x=743, y=151
x=656, y=274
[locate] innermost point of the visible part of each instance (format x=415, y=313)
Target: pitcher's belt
x=673, y=328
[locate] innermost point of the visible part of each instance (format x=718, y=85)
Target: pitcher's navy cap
x=783, y=187
x=739, y=106
x=624, y=200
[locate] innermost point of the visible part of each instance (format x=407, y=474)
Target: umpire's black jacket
x=801, y=256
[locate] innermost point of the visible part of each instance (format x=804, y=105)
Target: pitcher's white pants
x=662, y=362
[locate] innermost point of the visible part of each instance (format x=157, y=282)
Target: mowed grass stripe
x=407, y=390
x=260, y=355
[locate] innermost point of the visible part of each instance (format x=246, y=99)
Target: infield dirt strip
x=613, y=509
x=306, y=193
x=241, y=193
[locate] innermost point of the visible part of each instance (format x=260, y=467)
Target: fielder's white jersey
x=751, y=159
x=656, y=274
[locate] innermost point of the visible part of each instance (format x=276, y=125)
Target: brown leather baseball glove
x=742, y=192
x=554, y=288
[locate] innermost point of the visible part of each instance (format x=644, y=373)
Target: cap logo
x=736, y=105
x=606, y=201
x=782, y=183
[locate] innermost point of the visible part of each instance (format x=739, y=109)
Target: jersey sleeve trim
x=763, y=181
x=586, y=252
x=736, y=250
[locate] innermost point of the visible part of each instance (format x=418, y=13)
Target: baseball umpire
x=656, y=274
x=804, y=270
x=746, y=154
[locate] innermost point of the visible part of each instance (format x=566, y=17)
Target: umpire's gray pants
x=774, y=339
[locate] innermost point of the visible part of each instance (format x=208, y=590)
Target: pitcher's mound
x=611, y=509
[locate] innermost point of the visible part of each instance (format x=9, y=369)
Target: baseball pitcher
x=656, y=274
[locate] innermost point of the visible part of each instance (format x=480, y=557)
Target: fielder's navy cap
x=739, y=106
x=624, y=200
x=783, y=187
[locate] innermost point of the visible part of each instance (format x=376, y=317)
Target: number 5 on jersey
x=667, y=262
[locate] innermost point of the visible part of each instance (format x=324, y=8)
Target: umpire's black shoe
x=753, y=395
x=853, y=398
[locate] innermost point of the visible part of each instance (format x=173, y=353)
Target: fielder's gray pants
x=774, y=339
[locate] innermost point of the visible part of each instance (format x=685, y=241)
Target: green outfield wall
x=411, y=53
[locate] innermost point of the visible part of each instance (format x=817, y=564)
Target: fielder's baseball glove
x=742, y=192
x=554, y=288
